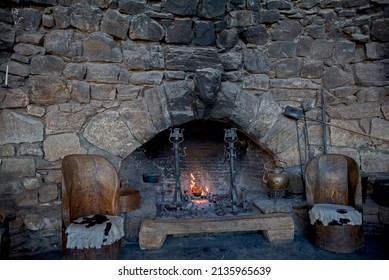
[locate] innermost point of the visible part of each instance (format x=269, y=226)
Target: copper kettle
x=276, y=177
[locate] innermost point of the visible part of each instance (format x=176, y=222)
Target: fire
x=196, y=190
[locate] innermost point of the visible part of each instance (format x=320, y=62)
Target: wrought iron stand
x=176, y=137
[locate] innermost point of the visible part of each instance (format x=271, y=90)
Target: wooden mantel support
x=275, y=227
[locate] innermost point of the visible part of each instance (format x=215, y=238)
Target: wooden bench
x=275, y=227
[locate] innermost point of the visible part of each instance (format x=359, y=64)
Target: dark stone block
x=47, y=65
x=312, y=70
x=256, y=61
x=47, y=90
x=115, y=24
x=255, y=35
x=287, y=30
x=253, y=5
x=131, y=7
x=268, y=16
x=191, y=59
x=179, y=32
x=304, y=47
x=144, y=28
x=59, y=42
x=86, y=18
x=227, y=38
x=7, y=36
x=308, y=4
x=6, y=15
x=278, y=4
x=212, y=9
x=282, y=49
x=288, y=68
x=61, y=16
x=27, y=19
x=204, y=33
x=380, y=30
x=181, y=7
x=101, y=47
x=207, y=83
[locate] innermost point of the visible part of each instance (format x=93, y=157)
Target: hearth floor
x=243, y=246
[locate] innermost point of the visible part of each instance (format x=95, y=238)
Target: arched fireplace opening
x=203, y=162
x=203, y=155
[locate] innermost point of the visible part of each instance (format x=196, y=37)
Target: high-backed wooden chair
x=91, y=225
x=334, y=198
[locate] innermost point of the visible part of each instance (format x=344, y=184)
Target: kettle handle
x=275, y=161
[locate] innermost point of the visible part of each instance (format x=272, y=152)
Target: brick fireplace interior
x=203, y=155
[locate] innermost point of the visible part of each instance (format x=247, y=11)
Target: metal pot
x=151, y=177
x=275, y=178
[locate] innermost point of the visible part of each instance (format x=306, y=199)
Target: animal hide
x=333, y=214
x=94, y=231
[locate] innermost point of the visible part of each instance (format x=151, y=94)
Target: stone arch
x=121, y=130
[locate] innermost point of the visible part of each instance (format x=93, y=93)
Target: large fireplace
x=217, y=174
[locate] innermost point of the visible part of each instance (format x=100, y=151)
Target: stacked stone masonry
x=105, y=76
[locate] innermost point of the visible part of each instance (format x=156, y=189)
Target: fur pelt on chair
x=94, y=231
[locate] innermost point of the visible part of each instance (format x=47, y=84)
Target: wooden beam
x=275, y=227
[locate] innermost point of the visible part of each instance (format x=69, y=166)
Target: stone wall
x=105, y=76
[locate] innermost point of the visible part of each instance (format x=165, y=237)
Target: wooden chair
x=334, y=198
x=90, y=188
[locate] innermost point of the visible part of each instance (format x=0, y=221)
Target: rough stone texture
x=119, y=141
x=12, y=168
x=255, y=35
x=255, y=61
x=212, y=9
x=47, y=90
x=32, y=183
x=48, y=192
x=101, y=47
x=17, y=128
x=179, y=32
x=27, y=198
x=34, y=222
x=374, y=161
x=60, y=42
x=47, y=65
x=207, y=83
x=355, y=110
x=191, y=59
x=372, y=74
x=106, y=76
x=60, y=119
x=59, y=145
x=115, y=24
x=181, y=7
x=204, y=33
x=86, y=18
x=14, y=98
x=336, y=77
x=144, y=28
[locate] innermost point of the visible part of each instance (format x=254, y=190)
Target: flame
x=192, y=181
x=197, y=190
